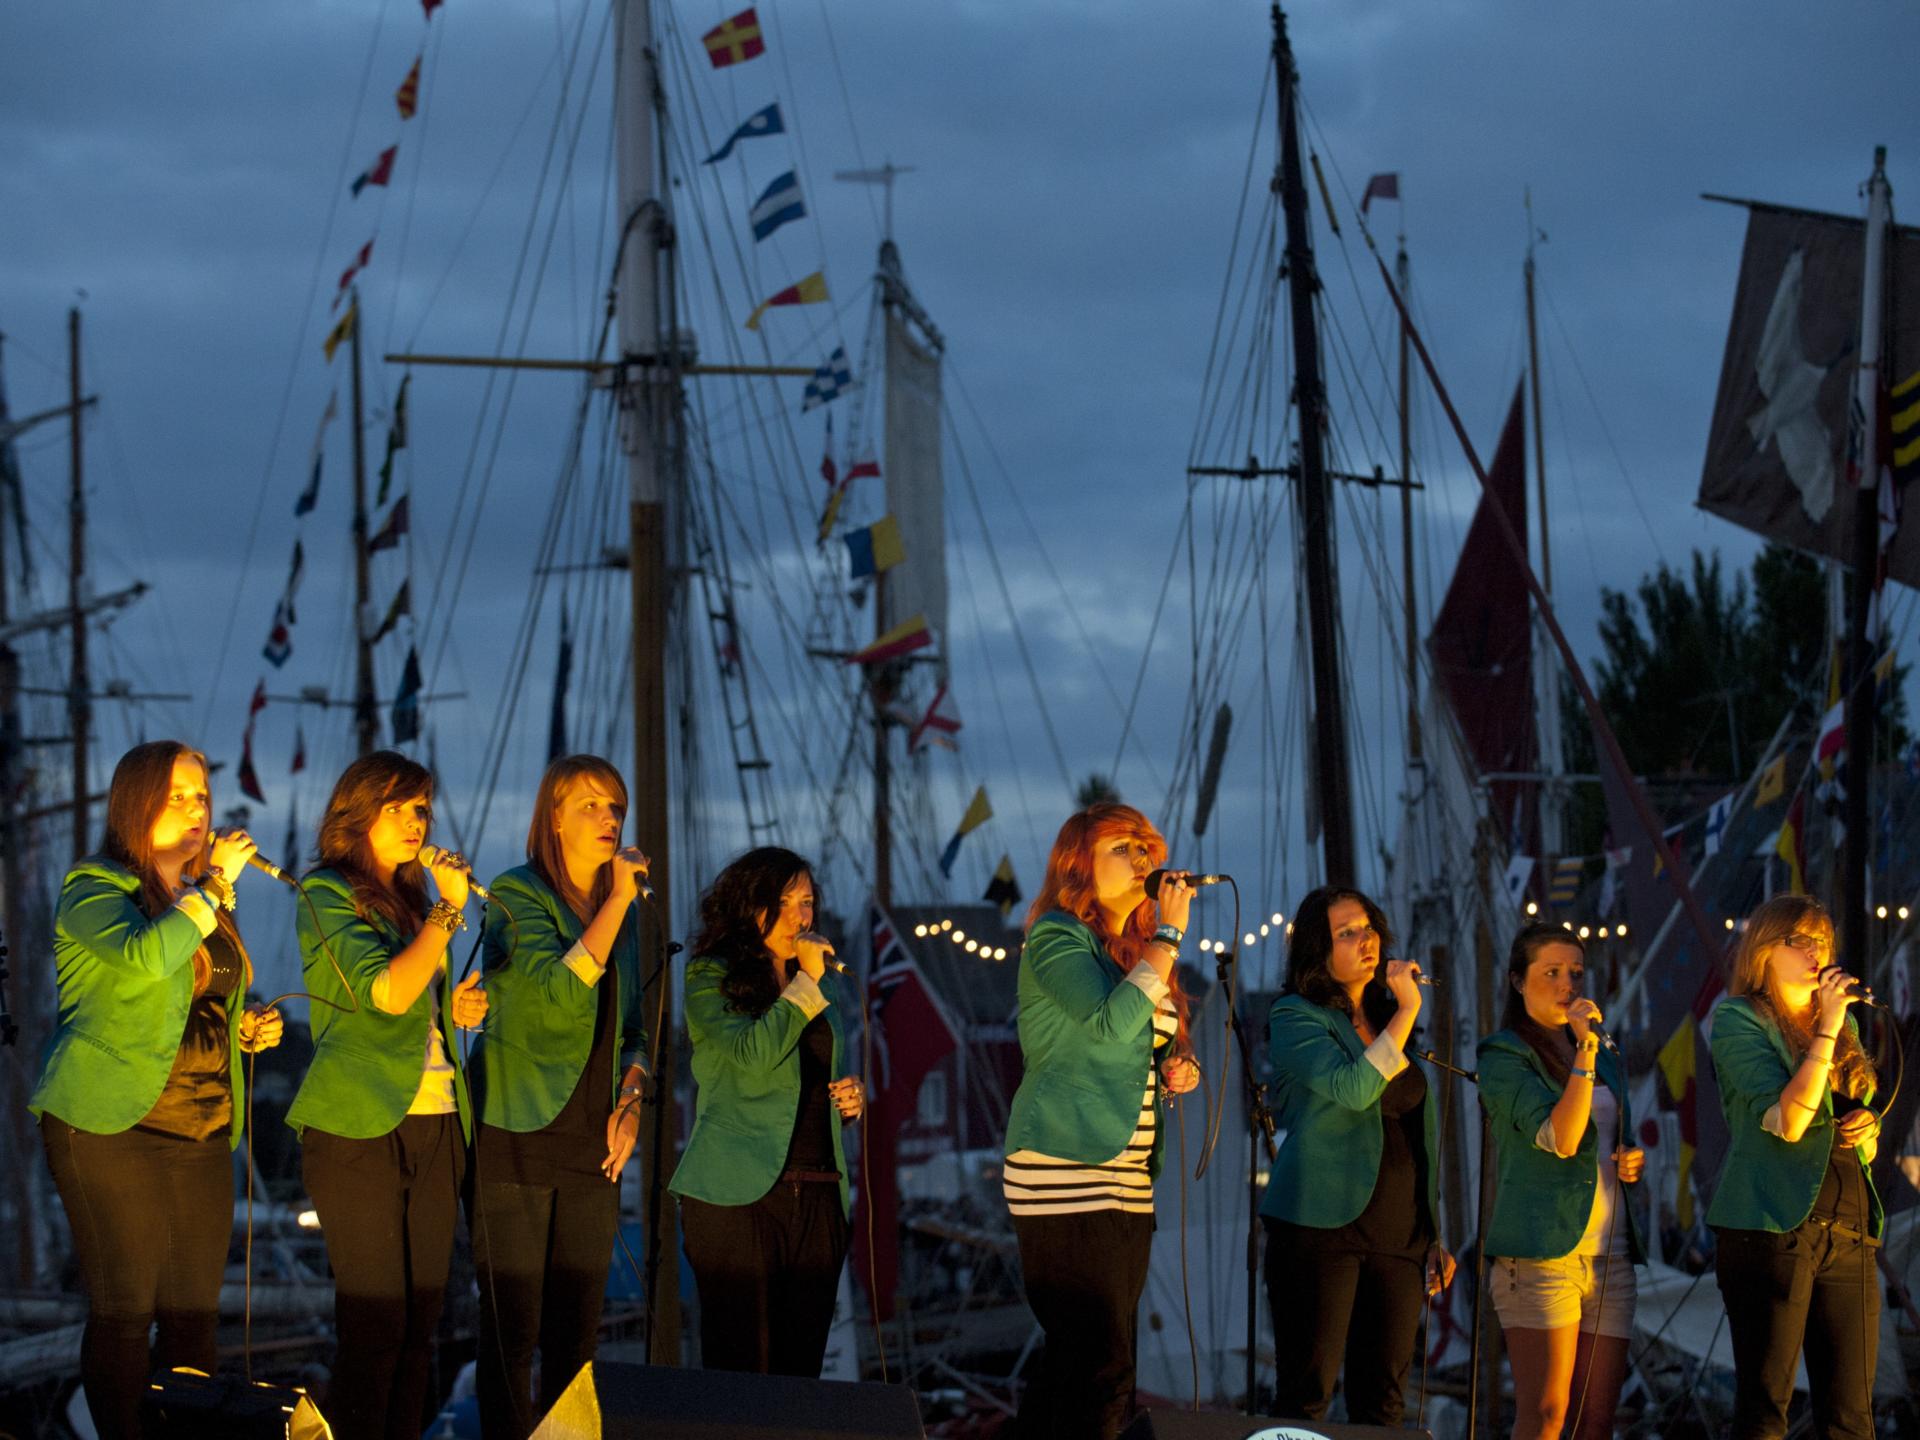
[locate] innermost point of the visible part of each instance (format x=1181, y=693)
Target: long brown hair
x=1068, y=886
x=1770, y=925
x=1528, y=942
x=363, y=787
x=736, y=914
x=544, y=852
x=136, y=798
x=1310, y=956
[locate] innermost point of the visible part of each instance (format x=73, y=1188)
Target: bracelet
x=446, y=917
x=1581, y=1074
x=219, y=889
x=1172, y=934
x=635, y=1092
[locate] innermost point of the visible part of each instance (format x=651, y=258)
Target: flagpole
x=366, y=715
x=1866, y=565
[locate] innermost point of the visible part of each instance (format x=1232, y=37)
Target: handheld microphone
x=433, y=855
x=261, y=863
x=1604, y=1038
x=1154, y=879
x=1420, y=979
x=1858, y=991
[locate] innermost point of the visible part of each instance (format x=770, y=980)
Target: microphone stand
x=1260, y=1130
x=1472, y=1077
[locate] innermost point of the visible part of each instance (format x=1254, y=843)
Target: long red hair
x=1068, y=886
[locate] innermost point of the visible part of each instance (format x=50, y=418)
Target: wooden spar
x=1314, y=491
x=1415, y=746
x=1861, y=645
x=1550, y=798
x=591, y=367
x=1603, y=732
x=650, y=406
x=366, y=713
x=79, y=702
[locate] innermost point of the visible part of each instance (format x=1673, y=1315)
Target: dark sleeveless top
x=197, y=1101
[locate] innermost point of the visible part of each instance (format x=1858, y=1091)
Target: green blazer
x=1327, y=1099
x=366, y=1063
x=540, y=1016
x=126, y=984
x=1768, y=1183
x=1086, y=1037
x=746, y=1070
x=1543, y=1201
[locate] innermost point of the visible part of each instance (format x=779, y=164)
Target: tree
x=1695, y=676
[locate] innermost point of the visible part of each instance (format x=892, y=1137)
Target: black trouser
x=540, y=1253
x=1083, y=1275
x=768, y=1274
x=1782, y=1289
x=151, y=1218
x=1333, y=1303
x=388, y=1207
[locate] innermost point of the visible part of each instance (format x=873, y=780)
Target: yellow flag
x=979, y=811
x=1676, y=1061
x=342, y=331
x=1773, y=782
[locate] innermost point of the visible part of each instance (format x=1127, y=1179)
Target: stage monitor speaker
x=660, y=1402
x=1207, y=1425
x=186, y=1405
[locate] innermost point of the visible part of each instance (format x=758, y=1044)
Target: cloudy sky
x=1068, y=222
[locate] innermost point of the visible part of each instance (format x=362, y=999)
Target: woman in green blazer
x=382, y=1113
x=1563, y=1240
x=1103, y=1037
x=557, y=1084
x=1351, y=1209
x=763, y=1179
x=141, y=1096
x=1795, y=1215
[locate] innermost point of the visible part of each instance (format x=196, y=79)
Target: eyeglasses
x=1353, y=934
x=1808, y=944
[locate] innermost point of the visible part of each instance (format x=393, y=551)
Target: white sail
x=916, y=497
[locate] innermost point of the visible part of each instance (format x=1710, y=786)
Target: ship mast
x=1551, y=796
x=1314, y=487
x=649, y=398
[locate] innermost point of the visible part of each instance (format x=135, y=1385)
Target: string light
x=1880, y=913
x=1264, y=930
x=1901, y=912
x=972, y=946
x=1278, y=917
x=1532, y=908
x=1585, y=933
x=920, y=932
x=1621, y=931
x=1250, y=937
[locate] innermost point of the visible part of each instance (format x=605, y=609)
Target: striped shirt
x=1037, y=1184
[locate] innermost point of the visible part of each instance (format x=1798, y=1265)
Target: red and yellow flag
x=1792, y=844
x=902, y=639
x=810, y=291
x=407, y=97
x=734, y=40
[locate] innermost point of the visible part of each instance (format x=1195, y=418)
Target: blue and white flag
x=829, y=380
x=778, y=204
x=1717, y=817
x=761, y=122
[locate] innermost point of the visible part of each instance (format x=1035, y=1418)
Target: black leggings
x=768, y=1274
x=1805, y=1288
x=1083, y=1276
x=1338, y=1307
x=541, y=1254
x=388, y=1207
x=151, y=1218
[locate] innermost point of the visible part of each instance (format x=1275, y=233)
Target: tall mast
x=1861, y=646
x=1416, y=752
x=366, y=711
x=13, y=903
x=649, y=406
x=79, y=704
x=1551, y=796
x=1315, y=491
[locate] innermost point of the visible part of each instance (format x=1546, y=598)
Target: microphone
x=261, y=863
x=433, y=855
x=1604, y=1038
x=1858, y=990
x=1420, y=979
x=1154, y=879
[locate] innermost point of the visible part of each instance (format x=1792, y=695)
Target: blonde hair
x=1752, y=978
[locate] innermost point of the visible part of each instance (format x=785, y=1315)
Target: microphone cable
x=1217, y=1110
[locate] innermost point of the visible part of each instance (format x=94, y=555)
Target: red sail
x=1481, y=641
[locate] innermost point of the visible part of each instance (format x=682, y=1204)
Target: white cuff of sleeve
x=580, y=961
x=1544, y=1139
x=198, y=909
x=804, y=991
x=1771, y=1122
x=1147, y=980
x=382, y=987
x=1385, y=1055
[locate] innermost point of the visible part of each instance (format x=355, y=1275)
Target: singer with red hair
x=142, y=1094
x=1103, y=1036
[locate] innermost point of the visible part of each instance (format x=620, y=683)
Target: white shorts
x=1553, y=1294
